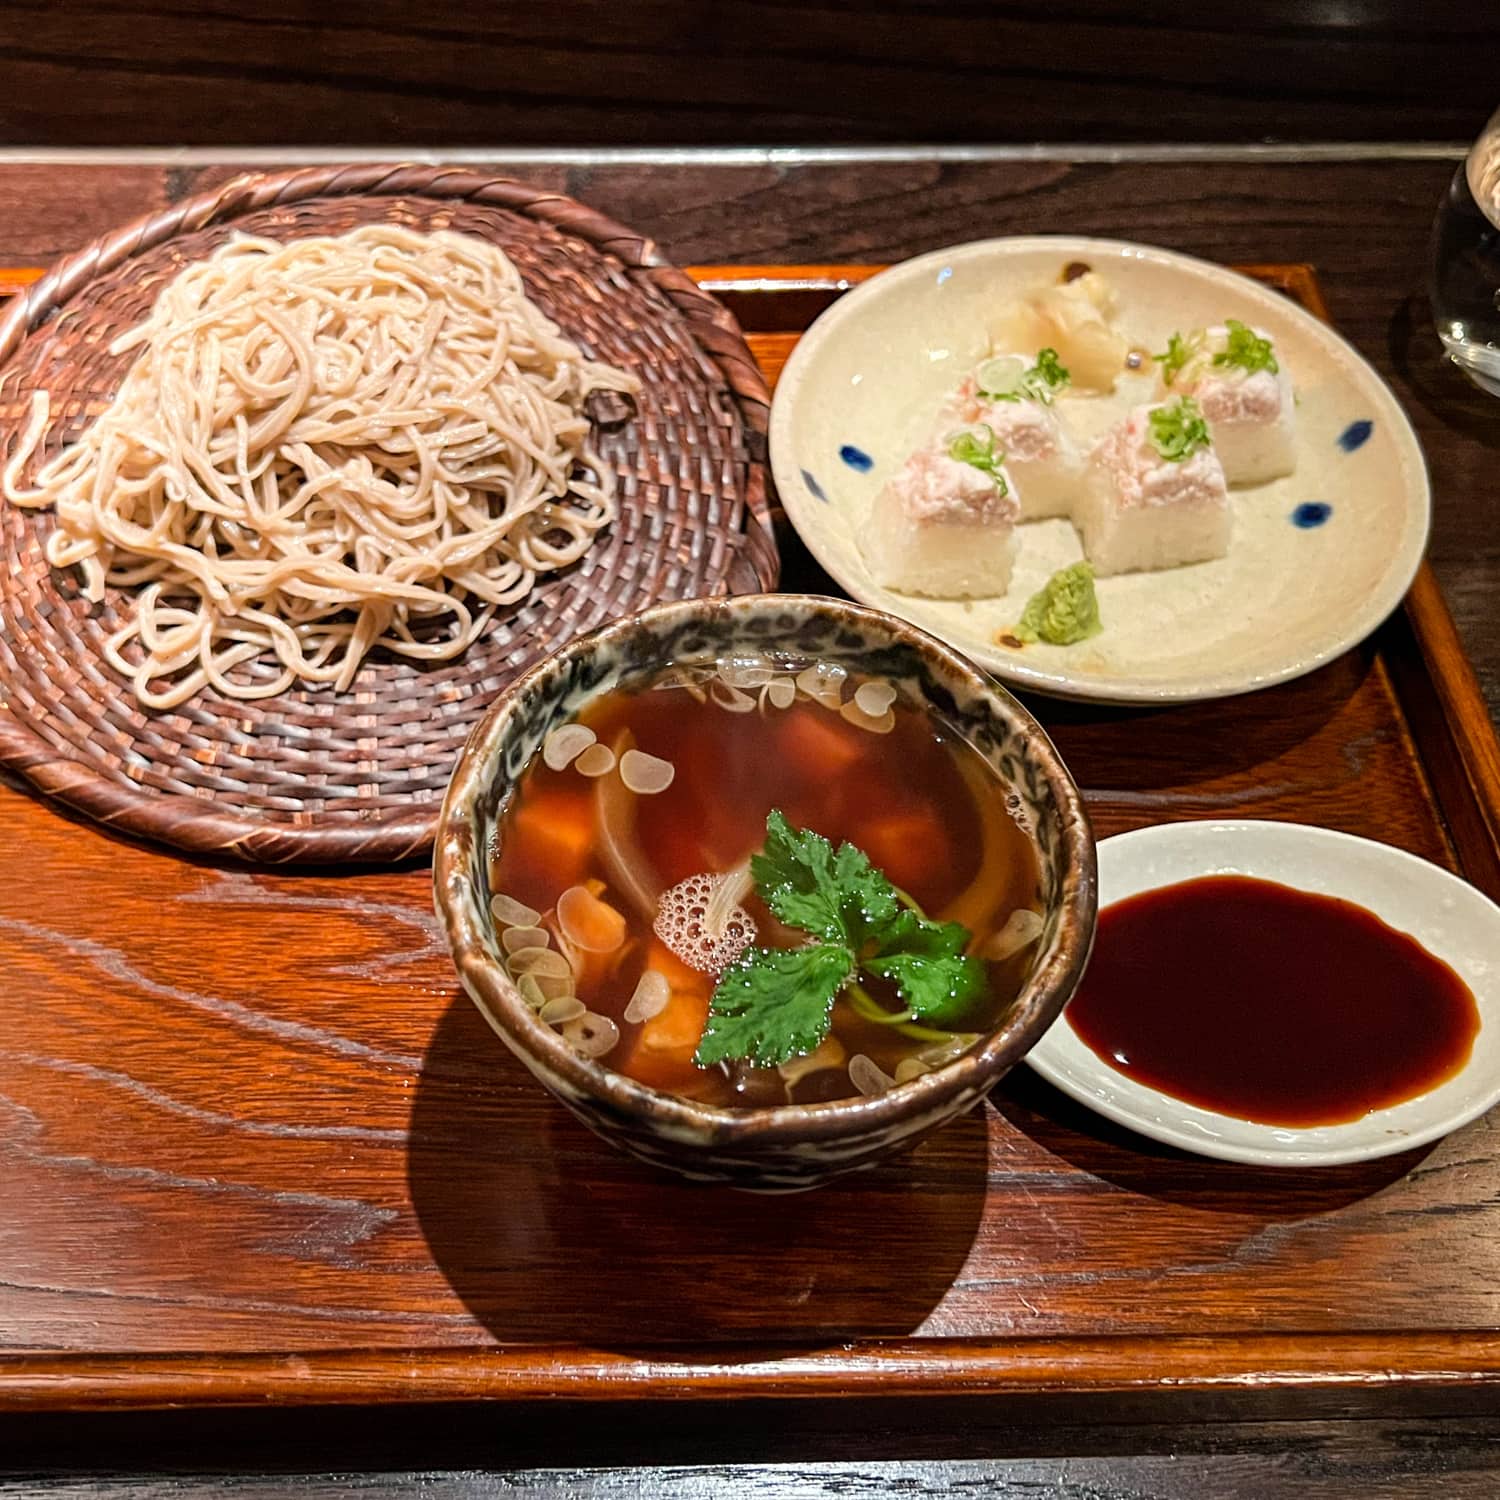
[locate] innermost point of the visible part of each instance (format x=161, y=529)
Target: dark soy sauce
x=1271, y=1004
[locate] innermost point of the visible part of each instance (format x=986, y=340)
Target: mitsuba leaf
x=774, y=1004
x=835, y=895
x=926, y=962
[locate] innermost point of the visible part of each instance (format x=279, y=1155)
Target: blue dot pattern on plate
x=856, y=458
x=1356, y=435
x=814, y=486
x=1311, y=513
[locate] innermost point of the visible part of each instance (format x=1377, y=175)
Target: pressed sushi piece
x=1245, y=394
x=944, y=526
x=1014, y=400
x=1155, y=494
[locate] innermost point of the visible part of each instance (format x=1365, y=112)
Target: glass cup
x=1466, y=263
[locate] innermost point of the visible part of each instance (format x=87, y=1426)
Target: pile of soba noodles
x=323, y=447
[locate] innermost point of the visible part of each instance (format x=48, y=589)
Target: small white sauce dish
x=1448, y=917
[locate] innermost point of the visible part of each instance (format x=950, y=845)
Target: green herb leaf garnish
x=1177, y=354
x=975, y=446
x=838, y=896
x=1004, y=378
x=925, y=961
x=774, y=1004
x=1244, y=349
x=1178, y=430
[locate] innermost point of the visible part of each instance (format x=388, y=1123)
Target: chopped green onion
x=999, y=379
x=1178, y=430
x=1177, y=354
x=1047, y=377
x=1244, y=349
x=975, y=446
x=1006, y=378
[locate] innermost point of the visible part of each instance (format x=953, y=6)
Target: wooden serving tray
x=256, y=1147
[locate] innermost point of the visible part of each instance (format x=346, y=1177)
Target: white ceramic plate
x=864, y=384
x=1448, y=917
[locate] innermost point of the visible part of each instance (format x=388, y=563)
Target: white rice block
x=1040, y=453
x=941, y=528
x=1252, y=416
x=1138, y=512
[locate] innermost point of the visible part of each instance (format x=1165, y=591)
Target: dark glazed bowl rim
x=1040, y=1002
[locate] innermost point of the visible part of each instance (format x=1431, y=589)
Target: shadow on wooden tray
x=546, y=1233
x=1113, y=1154
x=1139, y=752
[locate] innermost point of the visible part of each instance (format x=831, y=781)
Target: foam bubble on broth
x=1020, y=814
x=683, y=924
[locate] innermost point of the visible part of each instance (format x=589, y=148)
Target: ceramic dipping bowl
x=792, y=1146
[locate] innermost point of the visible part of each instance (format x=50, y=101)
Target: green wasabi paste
x=1065, y=610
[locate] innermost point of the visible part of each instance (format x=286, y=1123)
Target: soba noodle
x=325, y=446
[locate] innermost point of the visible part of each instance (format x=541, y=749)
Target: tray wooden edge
x=1367, y=1372
x=1446, y=709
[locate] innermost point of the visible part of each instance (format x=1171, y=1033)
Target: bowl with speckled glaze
x=786, y=1147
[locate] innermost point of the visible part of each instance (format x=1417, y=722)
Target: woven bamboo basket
x=313, y=776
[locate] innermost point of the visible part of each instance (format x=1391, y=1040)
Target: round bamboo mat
x=315, y=776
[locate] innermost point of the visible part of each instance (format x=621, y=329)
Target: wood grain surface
x=657, y=71
x=249, y=1114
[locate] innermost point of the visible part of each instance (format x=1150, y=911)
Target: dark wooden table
x=1363, y=222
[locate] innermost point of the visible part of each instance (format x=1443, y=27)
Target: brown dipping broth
x=907, y=798
x=1270, y=1004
